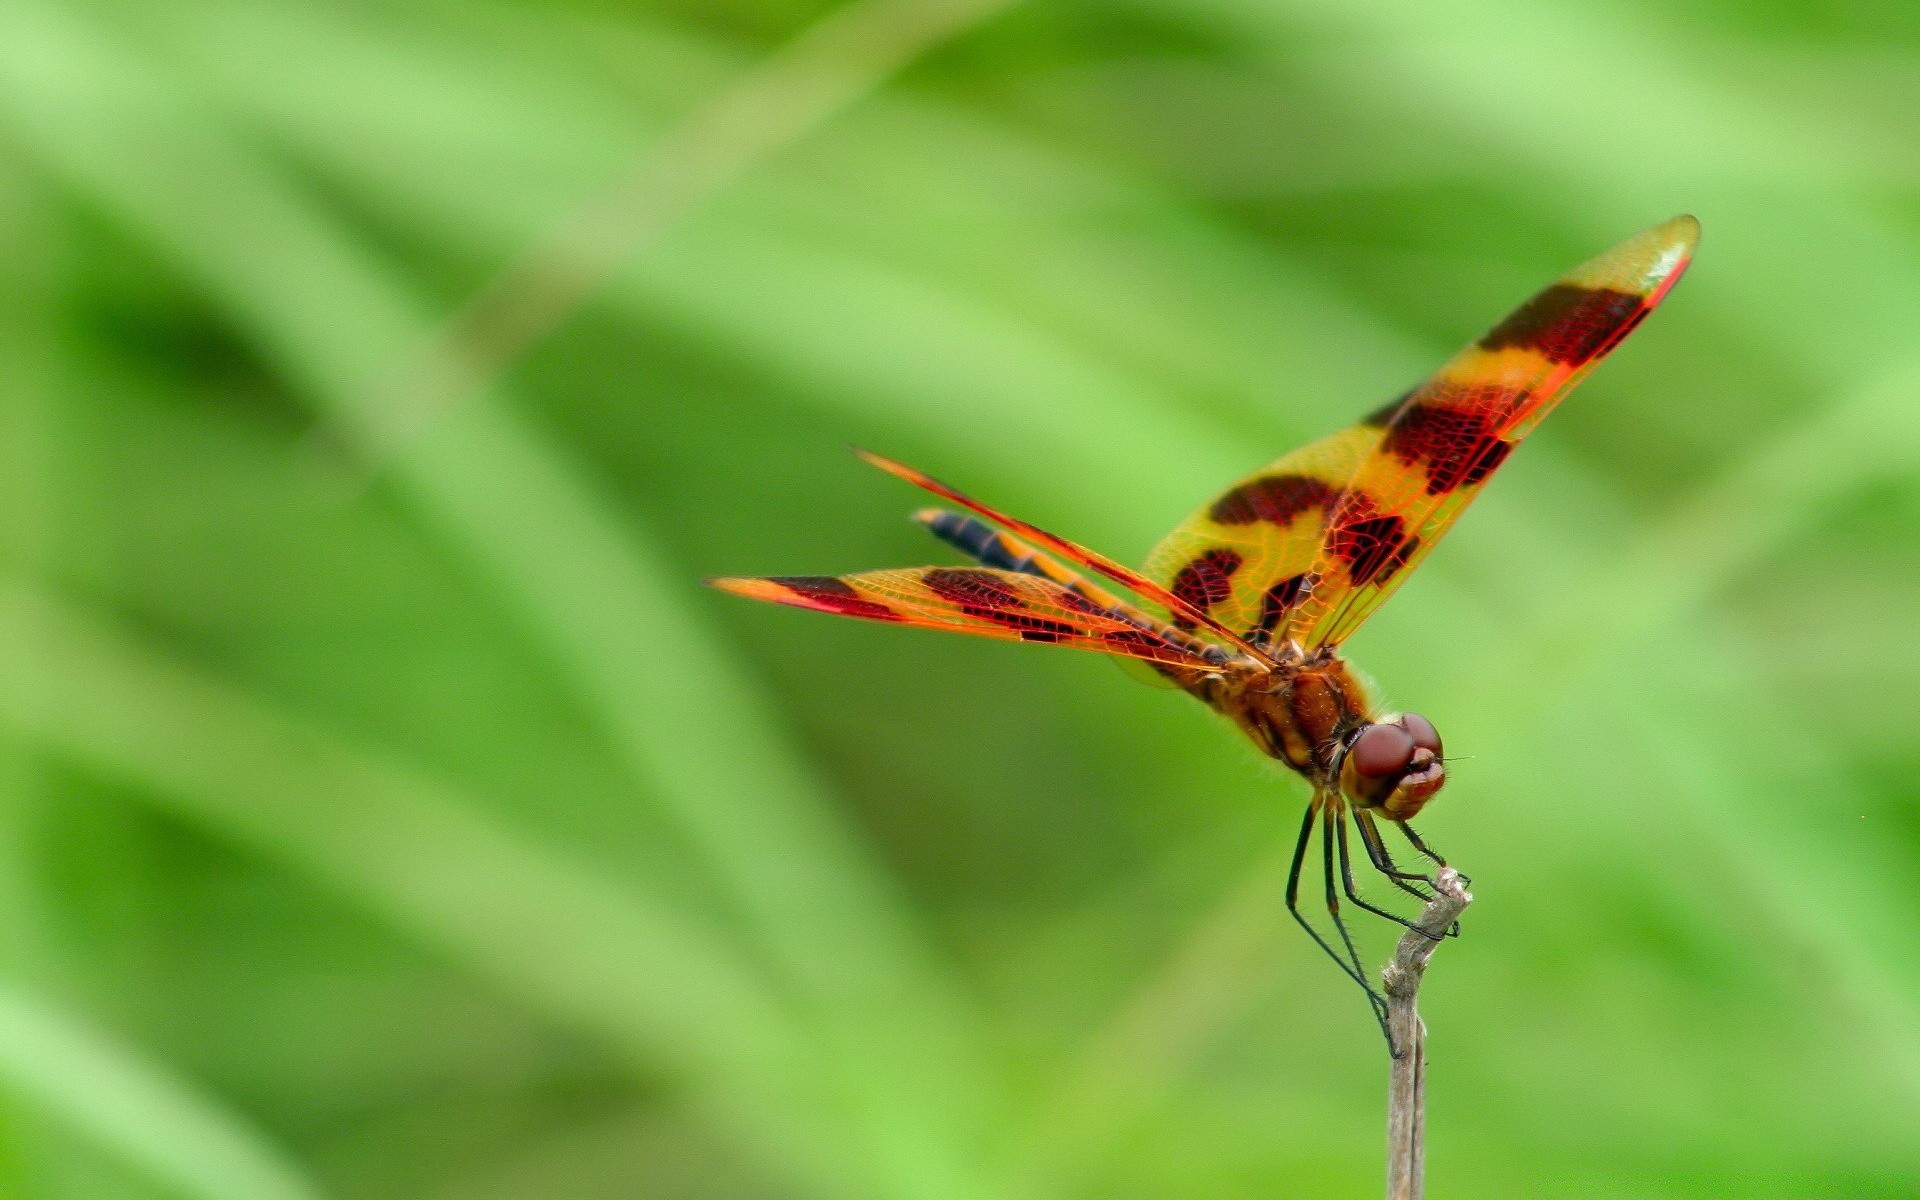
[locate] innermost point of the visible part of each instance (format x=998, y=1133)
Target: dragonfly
x=1247, y=603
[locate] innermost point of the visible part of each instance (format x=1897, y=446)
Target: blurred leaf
x=608, y=905
x=138, y=1112
x=584, y=584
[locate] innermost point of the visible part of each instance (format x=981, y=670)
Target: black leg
x=1383, y=861
x=1421, y=846
x=1374, y=999
x=1453, y=930
x=1293, y=895
x=1353, y=893
x=1328, y=823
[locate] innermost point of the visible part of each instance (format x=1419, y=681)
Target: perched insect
x=1246, y=604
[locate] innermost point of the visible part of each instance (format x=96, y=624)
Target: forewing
x=1310, y=546
x=973, y=600
x=1247, y=557
x=1446, y=439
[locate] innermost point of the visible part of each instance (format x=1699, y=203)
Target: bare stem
x=1407, y=1087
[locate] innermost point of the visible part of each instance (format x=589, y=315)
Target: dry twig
x=1407, y=1089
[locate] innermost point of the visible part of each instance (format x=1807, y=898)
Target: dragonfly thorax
x=1315, y=716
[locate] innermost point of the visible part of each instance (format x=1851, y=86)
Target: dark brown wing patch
x=1273, y=499
x=1454, y=445
x=1009, y=605
x=1383, y=416
x=982, y=595
x=1280, y=599
x=829, y=594
x=1372, y=547
x=1207, y=580
x=1147, y=589
x=1356, y=511
x=1568, y=323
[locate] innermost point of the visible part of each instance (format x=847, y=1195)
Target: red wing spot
x=1454, y=446
x=1206, y=581
x=1568, y=323
x=1135, y=643
x=1371, y=546
x=1395, y=561
x=835, y=596
x=1281, y=599
x=1486, y=462
x=1275, y=499
x=985, y=597
x=975, y=588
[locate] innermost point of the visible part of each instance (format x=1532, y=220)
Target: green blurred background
x=388, y=813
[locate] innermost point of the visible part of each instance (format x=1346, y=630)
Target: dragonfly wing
x=1141, y=586
x=1008, y=605
x=1247, y=557
x=1444, y=441
x=997, y=548
x=1312, y=545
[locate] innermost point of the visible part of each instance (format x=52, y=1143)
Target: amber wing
x=1186, y=615
x=1309, y=547
x=974, y=600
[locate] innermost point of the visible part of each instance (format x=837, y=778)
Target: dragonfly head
x=1395, y=765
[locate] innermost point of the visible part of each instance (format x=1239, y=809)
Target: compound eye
x=1424, y=734
x=1382, y=751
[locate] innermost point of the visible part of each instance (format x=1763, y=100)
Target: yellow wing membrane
x=1307, y=549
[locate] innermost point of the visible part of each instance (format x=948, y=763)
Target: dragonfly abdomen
x=979, y=541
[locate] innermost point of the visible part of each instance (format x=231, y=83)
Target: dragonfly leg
x=1421, y=846
x=1329, y=821
x=1413, y=837
x=1383, y=862
x=1350, y=968
x=1353, y=894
